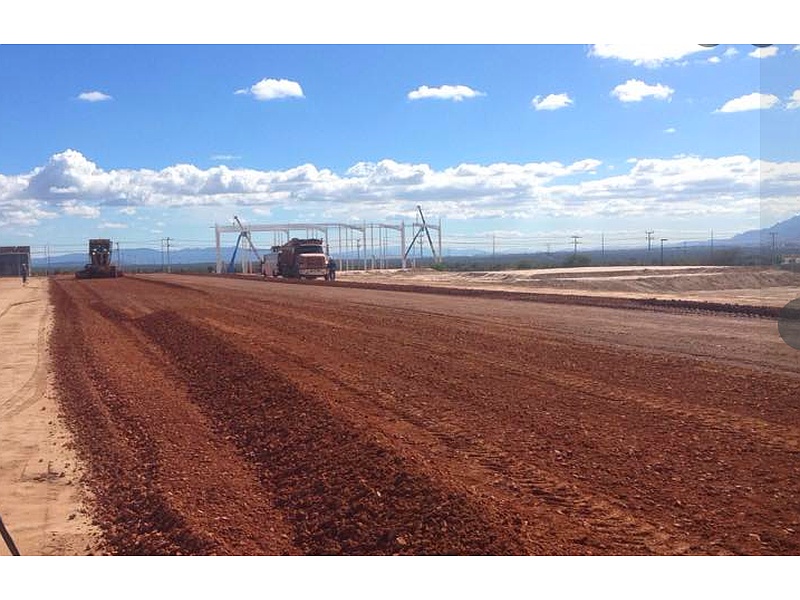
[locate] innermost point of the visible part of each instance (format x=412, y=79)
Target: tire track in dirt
x=32, y=390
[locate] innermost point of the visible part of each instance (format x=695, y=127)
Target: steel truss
x=367, y=246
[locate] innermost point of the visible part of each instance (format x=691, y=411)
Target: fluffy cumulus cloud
x=94, y=96
x=71, y=185
x=647, y=55
x=635, y=90
x=273, y=89
x=754, y=101
x=767, y=52
x=551, y=101
x=444, y=92
x=794, y=100
x=73, y=208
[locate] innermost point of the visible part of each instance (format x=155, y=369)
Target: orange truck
x=300, y=259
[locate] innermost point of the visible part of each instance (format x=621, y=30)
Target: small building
x=12, y=258
x=791, y=259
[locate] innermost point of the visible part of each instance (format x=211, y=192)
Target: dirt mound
x=724, y=285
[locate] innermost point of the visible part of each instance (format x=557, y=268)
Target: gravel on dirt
x=248, y=417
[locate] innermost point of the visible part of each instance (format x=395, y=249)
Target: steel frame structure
x=349, y=239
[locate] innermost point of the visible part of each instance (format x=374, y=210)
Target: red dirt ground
x=223, y=416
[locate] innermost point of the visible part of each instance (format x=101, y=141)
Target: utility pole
x=712, y=246
x=649, y=239
x=774, y=259
x=575, y=239
x=167, y=240
x=494, y=242
x=603, y=245
x=662, y=250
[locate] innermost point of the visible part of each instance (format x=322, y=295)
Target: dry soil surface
x=734, y=285
x=231, y=416
x=40, y=503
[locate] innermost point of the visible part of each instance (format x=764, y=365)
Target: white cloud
x=730, y=52
x=715, y=59
x=661, y=187
x=444, y=92
x=551, y=102
x=794, y=100
x=225, y=157
x=94, y=96
x=110, y=225
x=764, y=52
x=74, y=209
x=754, y=101
x=670, y=130
x=647, y=55
x=635, y=90
x=273, y=89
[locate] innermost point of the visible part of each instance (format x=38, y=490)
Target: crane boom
x=427, y=233
x=246, y=234
x=424, y=228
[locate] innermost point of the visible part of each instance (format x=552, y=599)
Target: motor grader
x=100, y=266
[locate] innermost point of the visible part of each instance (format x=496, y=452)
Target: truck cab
x=300, y=259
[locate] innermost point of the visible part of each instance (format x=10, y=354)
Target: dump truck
x=299, y=259
x=100, y=265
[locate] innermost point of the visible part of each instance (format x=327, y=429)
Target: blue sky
x=528, y=142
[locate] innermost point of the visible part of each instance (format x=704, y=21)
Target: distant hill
x=140, y=257
x=787, y=231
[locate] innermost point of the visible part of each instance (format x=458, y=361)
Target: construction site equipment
x=100, y=265
x=243, y=233
x=423, y=227
x=300, y=259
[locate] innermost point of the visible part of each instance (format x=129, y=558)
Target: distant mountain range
x=142, y=257
x=786, y=232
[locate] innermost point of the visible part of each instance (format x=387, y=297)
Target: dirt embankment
x=742, y=286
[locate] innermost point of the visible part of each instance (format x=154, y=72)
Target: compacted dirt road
x=39, y=495
x=223, y=416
